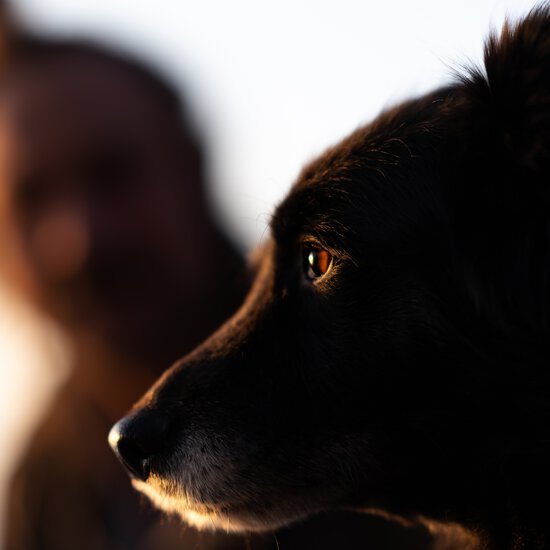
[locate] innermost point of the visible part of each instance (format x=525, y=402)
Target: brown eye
x=317, y=262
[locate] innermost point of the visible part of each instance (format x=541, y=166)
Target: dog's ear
x=509, y=100
x=518, y=81
x=502, y=178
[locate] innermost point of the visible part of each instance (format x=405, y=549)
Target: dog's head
x=365, y=369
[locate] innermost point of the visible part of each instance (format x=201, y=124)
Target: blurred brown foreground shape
x=104, y=224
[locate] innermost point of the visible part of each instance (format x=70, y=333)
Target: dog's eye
x=317, y=262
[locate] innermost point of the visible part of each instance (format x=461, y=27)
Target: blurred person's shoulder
x=34, y=359
x=47, y=497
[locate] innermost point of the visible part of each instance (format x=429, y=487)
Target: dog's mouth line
x=235, y=516
x=174, y=491
x=203, y=516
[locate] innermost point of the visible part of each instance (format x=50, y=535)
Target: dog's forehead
x=366, y=171
x=382, y=142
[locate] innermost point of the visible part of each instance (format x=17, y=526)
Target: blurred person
x=104, y=223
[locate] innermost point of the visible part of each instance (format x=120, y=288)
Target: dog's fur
x=414, y=377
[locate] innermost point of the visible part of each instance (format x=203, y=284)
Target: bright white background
x=271, y=84
x=274, y=82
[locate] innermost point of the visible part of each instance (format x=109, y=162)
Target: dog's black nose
x=137, y=438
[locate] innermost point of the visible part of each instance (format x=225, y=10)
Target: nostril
x=136, y=438
x=133, y=458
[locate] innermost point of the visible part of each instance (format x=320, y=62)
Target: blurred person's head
x=102, y=194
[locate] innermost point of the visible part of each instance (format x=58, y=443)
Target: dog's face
x=356, y=372
x=293, y=404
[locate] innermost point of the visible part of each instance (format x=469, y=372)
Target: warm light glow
x=34, y=359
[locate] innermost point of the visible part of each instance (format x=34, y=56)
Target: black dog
x=394, y=351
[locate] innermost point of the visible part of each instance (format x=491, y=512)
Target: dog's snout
x=137, y=438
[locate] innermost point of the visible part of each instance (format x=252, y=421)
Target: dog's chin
x=207, y=516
